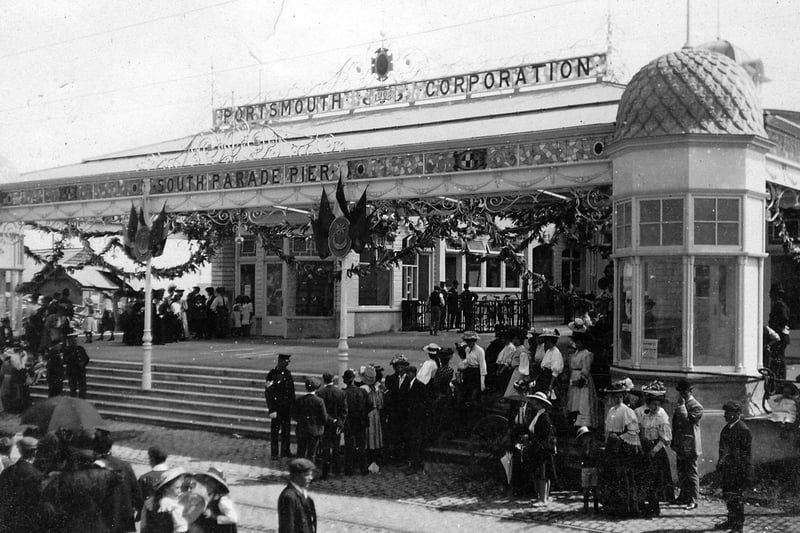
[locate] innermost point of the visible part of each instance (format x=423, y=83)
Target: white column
x=688, y=313
x=637, y=313
x=147, y=336
x=344, y=349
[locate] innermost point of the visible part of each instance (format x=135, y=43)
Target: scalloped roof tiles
x=689, y=91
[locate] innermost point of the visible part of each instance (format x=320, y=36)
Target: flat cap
x=284, y=356
x=300, y=465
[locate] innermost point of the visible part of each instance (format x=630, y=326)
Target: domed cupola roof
x=689, y=91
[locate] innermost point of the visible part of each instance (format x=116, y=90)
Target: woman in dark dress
x=542, y=450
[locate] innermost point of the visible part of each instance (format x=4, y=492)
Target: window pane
x=274, y=288
x=705, y=209
x=314, y=289
x=493, y=266
x=728, y=233
x=627, y=214
x=704, y=233
x=715, y=311
x=672, y=233
x=512, y=277
x=650, y=235
x=650, y=210
x=728, y=210
x=625, y=297
x=663, y=310
x=672, y=210
x=375, y=287
x=473, y=271
x=626, y=237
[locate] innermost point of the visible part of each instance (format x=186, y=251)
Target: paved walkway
x=444, y=498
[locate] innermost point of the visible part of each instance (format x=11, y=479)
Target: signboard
x=649, y=348
x=464, y=85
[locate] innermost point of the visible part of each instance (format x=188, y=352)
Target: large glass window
x=247, y=281
x=625, y=287
x=716, y=221
x=661, y=222
x=314, y=291
x=473, y=270
x=493, y=266
x=624, y=225
x=374, y=288
x=714, y=311
x=571, y=268
x=663, y=310
x=274, y=287
x=512, y=276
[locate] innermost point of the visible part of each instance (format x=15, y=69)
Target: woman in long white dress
x=582, y=400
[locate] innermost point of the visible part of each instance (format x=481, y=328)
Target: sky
x=86, y=78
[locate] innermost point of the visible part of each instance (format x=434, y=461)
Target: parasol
x=62, y=412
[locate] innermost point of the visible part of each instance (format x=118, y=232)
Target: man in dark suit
x=296, y=510
x=279, y=394
x=130, y=502
x=394, y=407
x=335, y=401
x=686, y=443
x=20, y=489
x=416, y=400
x=311, y=419
x=355, y=427
x=733, y=466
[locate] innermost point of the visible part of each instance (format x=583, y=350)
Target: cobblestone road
x=446, y=497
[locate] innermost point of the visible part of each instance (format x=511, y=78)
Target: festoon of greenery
x=582, y=220
x=791, y=245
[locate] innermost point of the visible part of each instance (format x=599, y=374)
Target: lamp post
x=147, y=334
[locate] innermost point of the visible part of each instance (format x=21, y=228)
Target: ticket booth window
x=715, y=311
x=663, y=310
x=716, y=221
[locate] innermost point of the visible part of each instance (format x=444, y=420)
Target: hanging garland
x=791, y=245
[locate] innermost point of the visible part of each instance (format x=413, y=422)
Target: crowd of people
x=178, y=315
x=70, y=482
x=48, y=347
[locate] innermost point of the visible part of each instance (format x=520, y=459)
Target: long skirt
x=618, y=478
x=374, y=431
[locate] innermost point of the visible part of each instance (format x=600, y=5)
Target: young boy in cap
x=311, y=418
x=591, y=457
x=734, y=467
x=296, y=510
x=279, y=394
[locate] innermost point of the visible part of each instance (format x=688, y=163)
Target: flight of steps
x=182, y=396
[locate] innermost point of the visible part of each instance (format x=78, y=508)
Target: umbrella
x=62, y=412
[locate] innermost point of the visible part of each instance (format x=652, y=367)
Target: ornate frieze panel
x=491, y=157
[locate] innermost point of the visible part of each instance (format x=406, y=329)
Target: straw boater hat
x=540, y=396
x=621, y=385
x=583, y=430
x=432, y=348
x=217, y=476
x=552, y=333
x=578, y=325
x=470, y=336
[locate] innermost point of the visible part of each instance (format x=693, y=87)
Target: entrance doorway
x=274, y=322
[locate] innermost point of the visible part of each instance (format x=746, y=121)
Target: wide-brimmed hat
x=217, y=476
x=552, y=333
x=399, y=359
x=578, y=325
x=654, y=390
x=369, y=375
x=431, y=348
x=169, y=475
x=470, y=336
x=27, y=443
x=620, y=385
x=539, y=395
x=583, y=430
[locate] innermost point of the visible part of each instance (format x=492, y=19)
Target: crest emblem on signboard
x=470, y=160
x=382, y=63
x=339, y=237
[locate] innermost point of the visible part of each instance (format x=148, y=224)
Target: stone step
x=178, y=387
x=207, y=393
